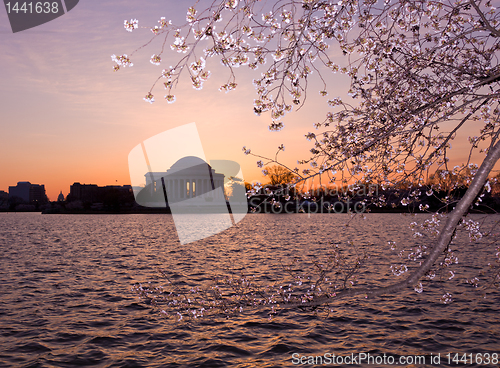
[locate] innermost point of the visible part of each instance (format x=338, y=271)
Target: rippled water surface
x=66, y=300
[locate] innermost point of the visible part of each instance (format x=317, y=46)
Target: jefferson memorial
x=189, y=178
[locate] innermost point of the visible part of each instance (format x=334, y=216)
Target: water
x=66, y=300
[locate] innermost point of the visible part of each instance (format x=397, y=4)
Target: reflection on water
x=66, y=301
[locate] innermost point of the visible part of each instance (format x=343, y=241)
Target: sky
x=66, y=116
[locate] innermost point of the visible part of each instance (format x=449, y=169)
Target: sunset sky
x=66, y=117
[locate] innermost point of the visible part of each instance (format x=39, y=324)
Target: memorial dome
x=187, y=162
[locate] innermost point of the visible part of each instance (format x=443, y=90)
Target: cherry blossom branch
x=437, y=250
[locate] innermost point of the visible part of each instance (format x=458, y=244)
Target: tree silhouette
x=278, y=175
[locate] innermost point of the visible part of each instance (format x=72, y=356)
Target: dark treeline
x=367, y=198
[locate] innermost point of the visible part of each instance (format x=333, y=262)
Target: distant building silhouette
x=28, y=193
x=110, y=195
x=60, y=197
x=4, y=198
x=83, y=192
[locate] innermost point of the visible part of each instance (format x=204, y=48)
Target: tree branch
x=487, y=24
x=442, y=243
